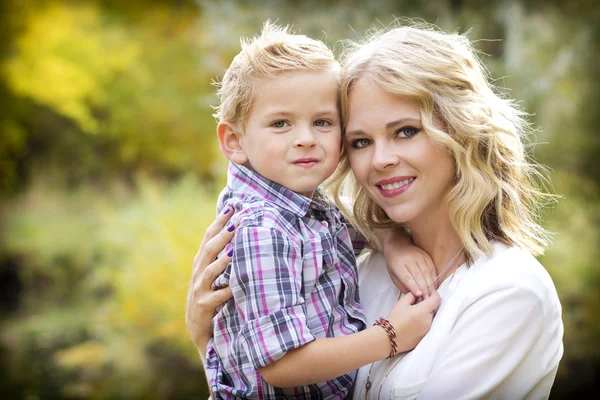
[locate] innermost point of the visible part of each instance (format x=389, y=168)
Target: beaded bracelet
x=391, y=332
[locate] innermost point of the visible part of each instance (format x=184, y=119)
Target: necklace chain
x=369, y=384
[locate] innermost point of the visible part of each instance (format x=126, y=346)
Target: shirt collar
x=243, y=180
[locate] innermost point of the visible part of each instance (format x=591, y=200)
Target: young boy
x=295, y=317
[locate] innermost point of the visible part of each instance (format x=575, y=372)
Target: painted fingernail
x=231, y=227
x=230, y=253
x=226, y=210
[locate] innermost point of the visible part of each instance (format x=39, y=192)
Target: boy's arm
x=266, y=281
x=411, y=268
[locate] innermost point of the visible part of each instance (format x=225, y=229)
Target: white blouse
x=496, y=335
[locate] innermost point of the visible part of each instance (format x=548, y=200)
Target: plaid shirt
x=294, y=279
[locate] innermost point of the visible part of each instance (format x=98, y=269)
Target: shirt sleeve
x=357, y=239
x=266, y=280
x=494, y=351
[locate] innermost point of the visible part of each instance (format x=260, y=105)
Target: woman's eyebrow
x=356, y=132
x=391, y=124
x=401, y=121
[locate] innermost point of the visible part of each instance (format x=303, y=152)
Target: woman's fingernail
x=231, y=227
x=230, y=253
x=226, y=210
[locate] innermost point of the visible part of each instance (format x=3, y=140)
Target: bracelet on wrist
x=391, y=333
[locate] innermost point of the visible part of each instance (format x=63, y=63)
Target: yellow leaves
x=91, y=353
x=64, y=59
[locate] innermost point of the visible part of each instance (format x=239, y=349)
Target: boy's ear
x=230, y=142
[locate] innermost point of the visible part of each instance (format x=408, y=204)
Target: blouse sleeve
x=497, y=349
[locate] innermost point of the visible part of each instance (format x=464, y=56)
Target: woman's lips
x=395, y=186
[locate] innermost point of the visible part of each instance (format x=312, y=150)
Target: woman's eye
x=407, y=132
x=279, y=124
x=322, y=122
x=360, y=143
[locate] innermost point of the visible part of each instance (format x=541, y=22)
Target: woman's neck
x=439, y=239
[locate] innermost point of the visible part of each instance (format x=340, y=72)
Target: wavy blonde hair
x=276, y=50
x=495, y=196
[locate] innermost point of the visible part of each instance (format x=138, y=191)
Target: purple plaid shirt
x=294, y=279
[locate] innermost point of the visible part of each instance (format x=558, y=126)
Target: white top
x=496, y=335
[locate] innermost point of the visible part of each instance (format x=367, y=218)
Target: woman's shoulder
x=373, y=276
x=513, y=268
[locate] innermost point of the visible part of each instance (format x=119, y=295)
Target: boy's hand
x=412, y=320
x=411, y=269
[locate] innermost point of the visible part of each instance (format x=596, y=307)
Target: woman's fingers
x=211, y=272
x=217, y=225
x=213, y=244
x=408, y=298
x=430, y=304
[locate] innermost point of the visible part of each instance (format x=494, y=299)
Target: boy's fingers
x=427, y=278
x=411, y=284
x=431, y=272
x=399, y=284
x=419, y=277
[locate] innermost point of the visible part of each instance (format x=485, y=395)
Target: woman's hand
x=412, y=320
x=202, y=300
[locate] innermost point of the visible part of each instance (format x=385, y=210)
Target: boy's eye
x=322, y=122
x=279, y=124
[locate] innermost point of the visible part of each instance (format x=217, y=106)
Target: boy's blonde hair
x=275, y=50
x=495, y=197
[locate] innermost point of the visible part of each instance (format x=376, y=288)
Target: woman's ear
x=230, y=142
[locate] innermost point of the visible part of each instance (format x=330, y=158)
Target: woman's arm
x=326, y=358
x=202, y=300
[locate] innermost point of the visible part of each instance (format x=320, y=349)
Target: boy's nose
x=304, y=138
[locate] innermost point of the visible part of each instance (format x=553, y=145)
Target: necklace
x=369, y=384
x=446, y=268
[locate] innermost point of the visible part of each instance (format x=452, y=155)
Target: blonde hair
x=275, y=50
x=495, y=196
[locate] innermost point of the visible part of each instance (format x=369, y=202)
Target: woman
x=432, y=148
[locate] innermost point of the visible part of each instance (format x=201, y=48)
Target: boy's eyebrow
x=328, y=111
x=288, y=113
x=278, y=112
x=391, y=124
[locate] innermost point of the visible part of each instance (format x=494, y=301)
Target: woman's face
x=399, y=165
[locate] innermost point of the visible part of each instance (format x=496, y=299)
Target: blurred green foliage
x=109, y=171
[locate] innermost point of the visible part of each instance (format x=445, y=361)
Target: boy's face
x=293, y=131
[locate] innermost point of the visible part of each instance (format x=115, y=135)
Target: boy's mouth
x=306, y=162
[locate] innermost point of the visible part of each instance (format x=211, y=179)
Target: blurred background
x=109, y=172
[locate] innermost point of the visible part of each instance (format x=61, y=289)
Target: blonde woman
x=431, y=147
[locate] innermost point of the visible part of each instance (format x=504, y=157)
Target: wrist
x=390, y=332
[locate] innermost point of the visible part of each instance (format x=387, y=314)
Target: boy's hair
x=275, y=50
x=496, y=196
